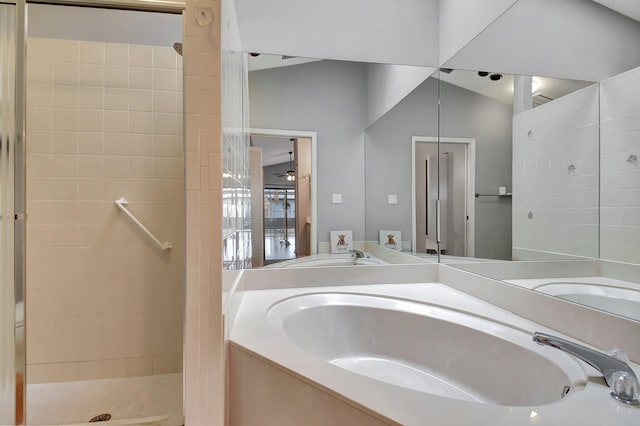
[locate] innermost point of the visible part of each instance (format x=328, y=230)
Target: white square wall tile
x=91, y=143
x=65, y=119
x=141, y=78
x=165, y=101
x=40, y=50
x=64, y=165
x=91, y=166
x=40, y=72
x=116, y=166
x=117, y=54
x=65, y=96
x=165, y=79
x=65, y=142
x=91, y=120
x=39, y=118
x=40, y=95
x=91, y=75
x=116, y=99
x=164, y=57
x=141, y=145
x=116, y=144
x=116, y=121
x=66, y=73
x=167, y=146
x=91, y=97
x=140, y=100
x=141, y=122
x=141, y=167
x=165, y=124
x=66, y=51
x=116, y=76
x=140, y=56
x=39, y=141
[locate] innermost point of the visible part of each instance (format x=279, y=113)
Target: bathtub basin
x=427, y=348
x=317, y=261
x=618, y=300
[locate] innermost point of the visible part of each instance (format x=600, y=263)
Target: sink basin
x=427, y=348
x=618, y=300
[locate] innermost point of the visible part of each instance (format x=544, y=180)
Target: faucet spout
x=602, y=362
x=357, y=254
x=608, y=366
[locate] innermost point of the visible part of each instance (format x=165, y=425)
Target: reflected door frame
x=470, y=204
x=314, y=168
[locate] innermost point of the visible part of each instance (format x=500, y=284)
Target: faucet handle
x=617, y=354
x=625, y=388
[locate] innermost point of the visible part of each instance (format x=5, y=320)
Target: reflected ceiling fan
x=289, y=174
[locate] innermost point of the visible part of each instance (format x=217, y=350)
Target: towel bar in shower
x=508, y=195
x=122, y=205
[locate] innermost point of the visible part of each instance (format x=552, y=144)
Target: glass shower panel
x=8, y=378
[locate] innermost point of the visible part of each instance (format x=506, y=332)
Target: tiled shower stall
x=104, y=121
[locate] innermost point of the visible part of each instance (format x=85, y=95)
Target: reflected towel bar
x=493, y=195
x=122, y=205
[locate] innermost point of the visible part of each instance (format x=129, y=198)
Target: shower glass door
x=8, y=378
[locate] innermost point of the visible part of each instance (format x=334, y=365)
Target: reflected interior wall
x=555, y=177
x=620, y=168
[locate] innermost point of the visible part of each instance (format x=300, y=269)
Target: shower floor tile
x=155, y=399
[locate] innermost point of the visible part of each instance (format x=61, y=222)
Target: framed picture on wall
x=391, y=239
x=341, y=241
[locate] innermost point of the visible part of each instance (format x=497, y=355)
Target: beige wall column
x=203, y=366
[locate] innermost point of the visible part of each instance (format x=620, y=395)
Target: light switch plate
x=336, y=198
x=392, y=199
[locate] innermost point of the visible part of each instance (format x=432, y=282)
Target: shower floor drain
x=101, y=418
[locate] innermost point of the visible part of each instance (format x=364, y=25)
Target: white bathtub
x=418, y=352
x=609, y=294
x=426, y=348
x=320, y=260
x=618, y=300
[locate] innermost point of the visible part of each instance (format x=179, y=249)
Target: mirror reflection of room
x=285, y=230
x=483, y=178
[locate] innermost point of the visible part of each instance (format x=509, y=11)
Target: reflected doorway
x=445, y=172
x=282, y=227
x=279, y=224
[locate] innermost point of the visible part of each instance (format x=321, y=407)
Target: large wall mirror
x=467, y=154
x=307, y=124
x=526, y=136
x=575, y=176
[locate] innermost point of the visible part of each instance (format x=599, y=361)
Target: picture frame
x=341, y=241
x=391, y=239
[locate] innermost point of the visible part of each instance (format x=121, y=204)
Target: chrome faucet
x=617, y=373
x=357, y=254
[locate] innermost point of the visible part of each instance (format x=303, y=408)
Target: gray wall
x=327, y=97
x=463, y=114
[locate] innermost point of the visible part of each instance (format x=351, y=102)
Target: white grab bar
x=122, y=205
